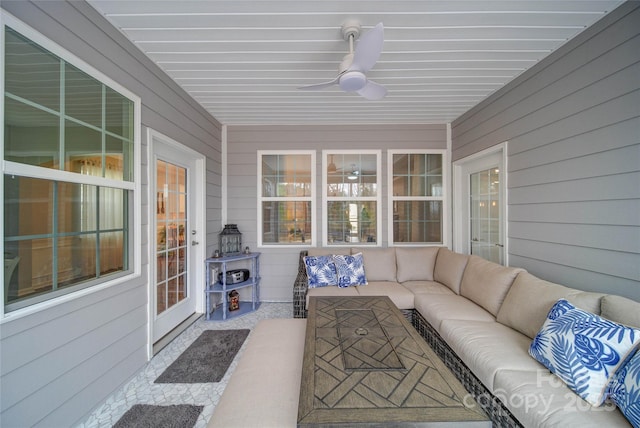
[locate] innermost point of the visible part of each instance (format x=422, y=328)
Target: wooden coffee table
x=365, y=364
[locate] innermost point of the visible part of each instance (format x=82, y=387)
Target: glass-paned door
x=171, y=227
x=177, y=218
x=484, y=215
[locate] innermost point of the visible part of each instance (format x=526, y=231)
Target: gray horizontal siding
x=588, y=279
x=572, y=124
x=600, y=51
x=60, y=363
x=594, y=165
x=604, y=237
x=591, y=141
x=280, y=266
x=621, y=212
x=607, y=187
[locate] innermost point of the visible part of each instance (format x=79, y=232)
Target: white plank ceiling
x=244, y=60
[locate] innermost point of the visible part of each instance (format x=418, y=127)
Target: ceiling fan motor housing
x=351, y=27
x=352, y=81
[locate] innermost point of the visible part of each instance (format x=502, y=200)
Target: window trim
x=312, y=198
x=444, y=197
x=326, y=199
x=135, y=208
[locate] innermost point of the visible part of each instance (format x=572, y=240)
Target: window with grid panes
x=416, y=195
x=351, y=197
x=68, y=173
x=286, y=192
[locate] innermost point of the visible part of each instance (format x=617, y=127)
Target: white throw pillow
x=624, y=390
x=350, y=270
x=583, y=349
x=321, y=271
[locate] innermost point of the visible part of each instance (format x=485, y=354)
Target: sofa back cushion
x=487, y=283
x=621, y=310
x=530, y=298
x=449, y=268
x=416, y=263
x=323, y=251
x=379, y=263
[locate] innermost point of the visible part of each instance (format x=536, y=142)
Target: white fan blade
x=319, y=86
x=373, y=91
x=368, y=49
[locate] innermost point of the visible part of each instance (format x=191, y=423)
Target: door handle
x=500, y=245
x=194, y=242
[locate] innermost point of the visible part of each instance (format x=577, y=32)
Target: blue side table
x=218, y=286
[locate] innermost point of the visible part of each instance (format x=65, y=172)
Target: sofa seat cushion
x=416, y=263
x=539, y=399
x=529, y=299
x=427, y=287
x=271, y=361
x=438, y=307
x=399, y=295
x=487, y=283
x=486, y=347
x=331, y=291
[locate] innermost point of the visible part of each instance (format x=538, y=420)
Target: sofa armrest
x=300, y=287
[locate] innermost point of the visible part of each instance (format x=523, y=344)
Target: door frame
x=199, y=223
x=462, y=169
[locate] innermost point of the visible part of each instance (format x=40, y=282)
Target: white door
x=178, y=236
x=480, y=205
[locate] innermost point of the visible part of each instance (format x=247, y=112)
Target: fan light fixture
x=352, y=81
x=354, y=173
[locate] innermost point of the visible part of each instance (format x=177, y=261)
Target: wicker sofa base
x=492, y=406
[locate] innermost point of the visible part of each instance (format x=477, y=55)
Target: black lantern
x=230, y=240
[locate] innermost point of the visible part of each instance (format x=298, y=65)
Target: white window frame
x=311, y=198
x=23, y=170
x=444, y=197
x=326, y=199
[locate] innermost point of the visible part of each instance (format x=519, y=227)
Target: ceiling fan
x=352, y=173
x=351, y=72
x=355, y=173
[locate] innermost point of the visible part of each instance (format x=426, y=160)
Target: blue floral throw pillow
x=583, y=349
x=321, y=271
x=624, y=390
x=350, y=270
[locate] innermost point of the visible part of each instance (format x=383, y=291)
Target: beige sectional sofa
x=481, y=317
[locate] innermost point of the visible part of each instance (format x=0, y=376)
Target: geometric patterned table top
x=365, y=364
x=364, y=344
